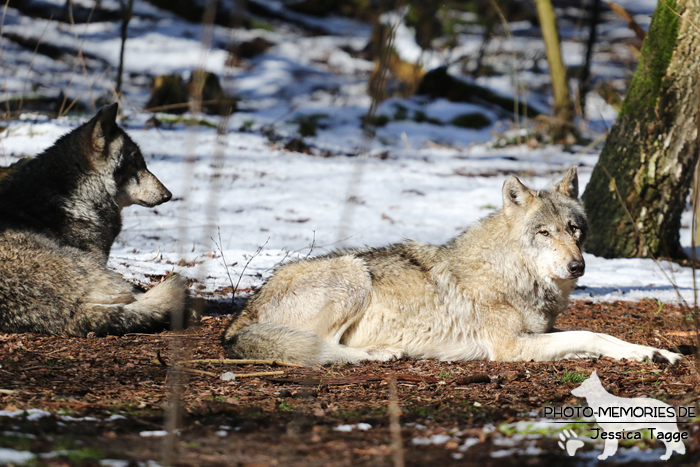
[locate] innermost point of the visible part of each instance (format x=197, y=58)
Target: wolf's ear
x=515, y=195
x=594, y=376
x=105, y=123
x=569, y=185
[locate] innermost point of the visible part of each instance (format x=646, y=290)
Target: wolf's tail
x=147, y=312
x=280, y=342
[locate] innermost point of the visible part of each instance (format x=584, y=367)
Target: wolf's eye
x=544, y=233
x=574, y=228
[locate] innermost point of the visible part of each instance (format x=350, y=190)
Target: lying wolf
x=59, y=215
x=493, y=292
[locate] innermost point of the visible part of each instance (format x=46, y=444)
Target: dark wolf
x=59, y=215
x=493, y=292
x=75, y=190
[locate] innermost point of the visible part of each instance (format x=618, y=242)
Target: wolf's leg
x=609, y=449
x=574, y=344
x=109, y=308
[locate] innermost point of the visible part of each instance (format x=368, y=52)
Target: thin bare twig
x=197, y=372
x=313, y=244
x=259, y=373
x=257, y=252
x=516, y=82
x=680, y=16
x=243, y=361
x=223, y=260
x=80, y=59
x=80, y=94
x=31, y=62
x=2, y=56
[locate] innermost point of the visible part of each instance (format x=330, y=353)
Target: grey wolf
x=493, y=292
x=663, y=426
x=75, y=190
x=59, y=215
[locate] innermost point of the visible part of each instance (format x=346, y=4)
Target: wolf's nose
x=576, y=268
x=166, y=196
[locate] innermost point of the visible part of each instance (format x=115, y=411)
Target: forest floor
x=101, y=401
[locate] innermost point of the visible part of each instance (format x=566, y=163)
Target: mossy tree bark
x=638, y=188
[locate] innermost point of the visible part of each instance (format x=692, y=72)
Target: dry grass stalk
x=179, y=348
x=31, y=63
x=518, y=90
x=2, y=56
x=395, y=425
x=80, y=59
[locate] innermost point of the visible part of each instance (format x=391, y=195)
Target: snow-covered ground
x=293, y=205
x=243, y=204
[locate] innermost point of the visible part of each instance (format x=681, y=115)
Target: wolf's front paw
x=642, y=352
x=663, y=356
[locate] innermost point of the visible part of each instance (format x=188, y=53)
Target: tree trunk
x=563, y=110
x=639, y=187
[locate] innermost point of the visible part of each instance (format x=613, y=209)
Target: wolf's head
x=110, y=153
x=551, y=225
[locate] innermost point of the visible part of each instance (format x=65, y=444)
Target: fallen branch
x=351, y=380
x=162, y=362
x=231, y=361
x=682, y=333
x=197, y=372
x=260, y=373
x=8, y=391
